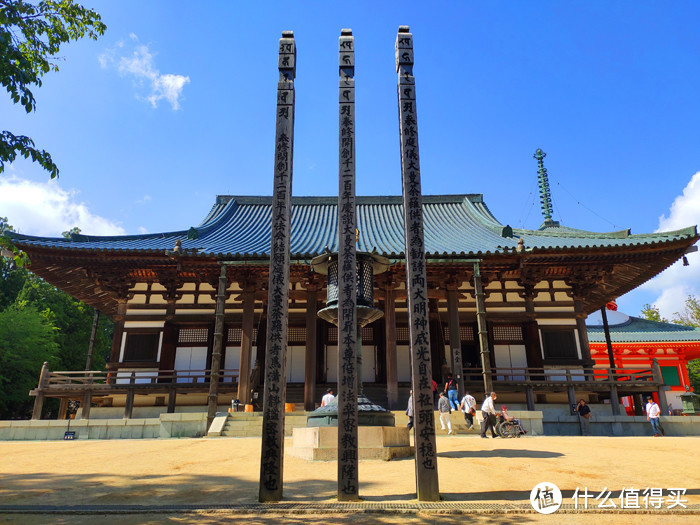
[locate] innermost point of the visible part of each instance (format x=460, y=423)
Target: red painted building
x=636, y=342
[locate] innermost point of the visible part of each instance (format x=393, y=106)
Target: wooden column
x=311, y=344
x=608, y=342
x=39, y=399
x=661, y=388
x=118, y=333
x=392, y=372
x=129, y=405
x=348, y=336
x=455, y=338
x=483, y=330
x=91, y=344
x=86, y=405
x=172, y=397
x=246, y=345
x=272, y=453
x=63, y=408
x=583, y=336
x=614, y=397
x=215, y=374
x=427, y=486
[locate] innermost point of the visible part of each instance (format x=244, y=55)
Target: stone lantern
x=368, y=265
x=691, y=403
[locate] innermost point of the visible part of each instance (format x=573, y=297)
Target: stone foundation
x=321, y=443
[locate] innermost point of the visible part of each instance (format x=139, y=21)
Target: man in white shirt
x=488, y=412
x=325, y=400
x=654, y=417
x=467, y=406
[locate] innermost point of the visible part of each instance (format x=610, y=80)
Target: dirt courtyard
x=225, y=471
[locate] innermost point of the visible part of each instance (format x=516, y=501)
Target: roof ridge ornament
x=545, y=192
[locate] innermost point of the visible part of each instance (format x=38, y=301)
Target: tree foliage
x=41, y=323
x=31, y=35
x=690, y=315
x=651, y=313
x=26, y=341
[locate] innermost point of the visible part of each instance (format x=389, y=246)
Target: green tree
x=690, y=316
x=651, y=313
x=72, y=320
x=31, y=35
x=26, y=340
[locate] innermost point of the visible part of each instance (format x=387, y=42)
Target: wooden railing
x=138, y=377
x=564, y=376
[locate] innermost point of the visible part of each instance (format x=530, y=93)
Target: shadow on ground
x=501, y=453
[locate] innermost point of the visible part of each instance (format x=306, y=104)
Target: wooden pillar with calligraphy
x=272, y=453
x=427, y=487
x=348, y=483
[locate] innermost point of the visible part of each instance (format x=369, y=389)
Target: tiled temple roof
x=636, y=330
x=455, y=225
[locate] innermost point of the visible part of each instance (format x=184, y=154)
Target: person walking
x=488, y=412
x=654, y=417
x=445, y=410
x=584, y=416
x=409, y=410
x=326, y=399
x=452, y=391
x=468, y=406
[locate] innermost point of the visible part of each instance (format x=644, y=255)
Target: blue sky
x=175, y=104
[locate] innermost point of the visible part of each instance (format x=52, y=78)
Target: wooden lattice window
x=402, y=334
x=193, y=335
x=466, y=333
x=235, y=335
x=367, y=335
x=512, y=333
x=296, y=335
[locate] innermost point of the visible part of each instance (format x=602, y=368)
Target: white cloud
x=140, y=66
x=45, y=209
x=677, y=282
x=144, y=199
x=142, y=230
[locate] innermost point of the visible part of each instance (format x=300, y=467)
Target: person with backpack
x=452, y=391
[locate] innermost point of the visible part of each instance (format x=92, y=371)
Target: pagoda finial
x=543, y=181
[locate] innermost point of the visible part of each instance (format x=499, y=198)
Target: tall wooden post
x=661, y=388
x=91, y=344
x=272, y=453
x=39, y=399
x=483, y=330
x=392, y=373
x=608, y=342
x=348, y=485
x=455, y=338
x=118, y=333
x=215, y=373
x=246, y=345
x=310, y=350
x=427, y=486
